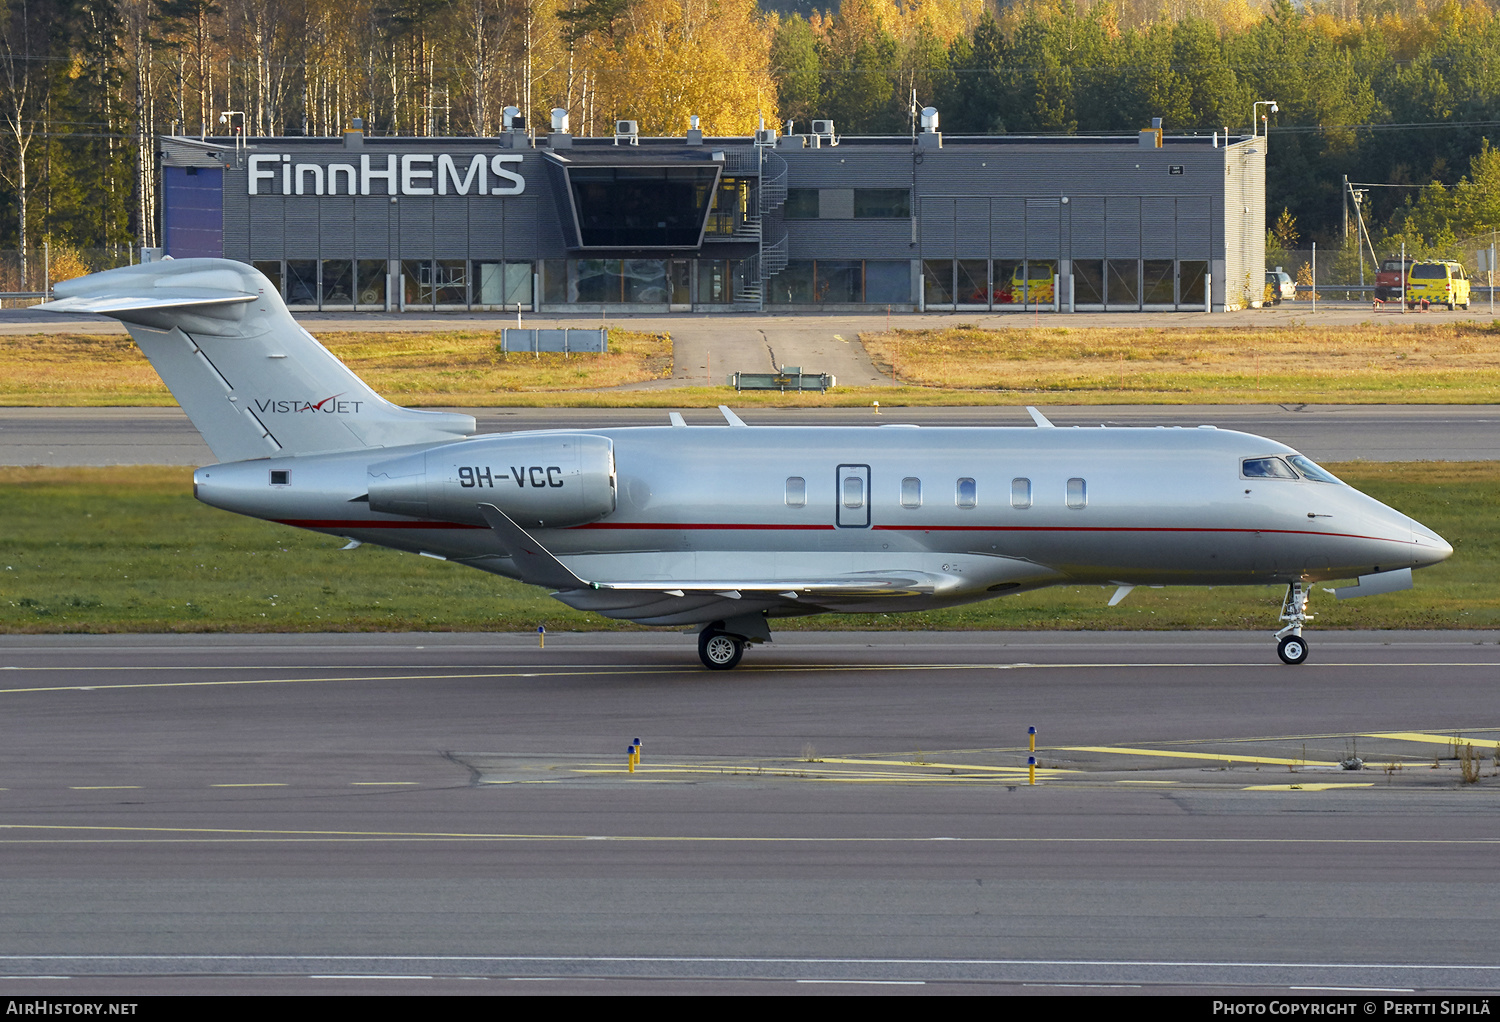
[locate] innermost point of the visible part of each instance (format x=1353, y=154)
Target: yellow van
x=1040, y=291
x=1437, y=283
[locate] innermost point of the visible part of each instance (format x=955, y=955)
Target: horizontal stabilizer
x=158, y=298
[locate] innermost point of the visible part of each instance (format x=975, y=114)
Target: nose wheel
x=1291, y=646
x=719, y=652
x=1292, y=649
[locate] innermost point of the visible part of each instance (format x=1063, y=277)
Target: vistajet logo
x=330, y=405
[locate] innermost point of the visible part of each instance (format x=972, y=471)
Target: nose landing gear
x=1292, y=647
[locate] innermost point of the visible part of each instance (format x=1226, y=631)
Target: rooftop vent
x=559, y=120
x=628, y=132
x=929, y=118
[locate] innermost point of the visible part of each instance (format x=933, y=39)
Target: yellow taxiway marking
x=1318, y=786
x=102, y=787
x=257, y=785
x=1170, y=754
x=936, y=766
x=1417, y=736
x=187, y=834
x=379, y=784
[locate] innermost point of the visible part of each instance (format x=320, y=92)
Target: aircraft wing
x=538, y=566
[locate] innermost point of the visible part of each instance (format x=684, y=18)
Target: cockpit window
x=1311, y=470
x=1266, y=468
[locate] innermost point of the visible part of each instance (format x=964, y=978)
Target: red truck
x=1390, y=279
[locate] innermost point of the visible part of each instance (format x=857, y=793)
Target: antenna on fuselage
x=1038, y=418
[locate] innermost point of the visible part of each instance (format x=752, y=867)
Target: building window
x=338, y=282
x=882, y=203
x=1157, y=284
x=372, y=274
x=1020, y=493
x=967, y=494
x=937, y=281
x=1088, y=281
x=734, y=203
x=502, y=283
x=620, y=207
x=796, y=491
x=302, y=282
x=801, y=204
x=1078, y=494
x=416, y=282
x=1190, y=281
x=974, y=282
x=715, y=282
x=1124, y=282
x=450, y=282
x=911, y=492
x=841, y=282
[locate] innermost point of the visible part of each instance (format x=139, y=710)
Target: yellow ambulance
x=1438, y=283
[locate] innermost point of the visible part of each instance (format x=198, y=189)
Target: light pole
x=239, y=136
x=1255, y=115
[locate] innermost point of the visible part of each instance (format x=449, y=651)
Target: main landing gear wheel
x=719, y=652
x=1292, y=650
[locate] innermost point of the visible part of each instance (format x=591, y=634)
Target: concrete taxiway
x=454, y=813
x=164, y=436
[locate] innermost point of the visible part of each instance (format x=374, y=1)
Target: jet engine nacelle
x=546, y=481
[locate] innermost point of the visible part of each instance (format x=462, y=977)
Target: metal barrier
x=790, y=378
x=566, y=340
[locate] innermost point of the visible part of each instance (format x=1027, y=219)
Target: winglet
x=730, y=417
x=1038, y=418
x=535, y=562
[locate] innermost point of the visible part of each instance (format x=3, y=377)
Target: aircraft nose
x=1428, y=546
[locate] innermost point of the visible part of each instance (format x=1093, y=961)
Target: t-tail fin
x=251, y=379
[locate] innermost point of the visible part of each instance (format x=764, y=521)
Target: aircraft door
x=853, y=497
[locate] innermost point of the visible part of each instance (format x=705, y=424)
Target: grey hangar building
x=773, y=222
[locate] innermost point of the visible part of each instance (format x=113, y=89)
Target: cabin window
x=796, y=491
x=1020, y=494
x=280, y=477
x=1266, y=468
x=1078, y=493
x=968, y=493
x=911, y=492
x=1312, y=470
x=854, y=491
